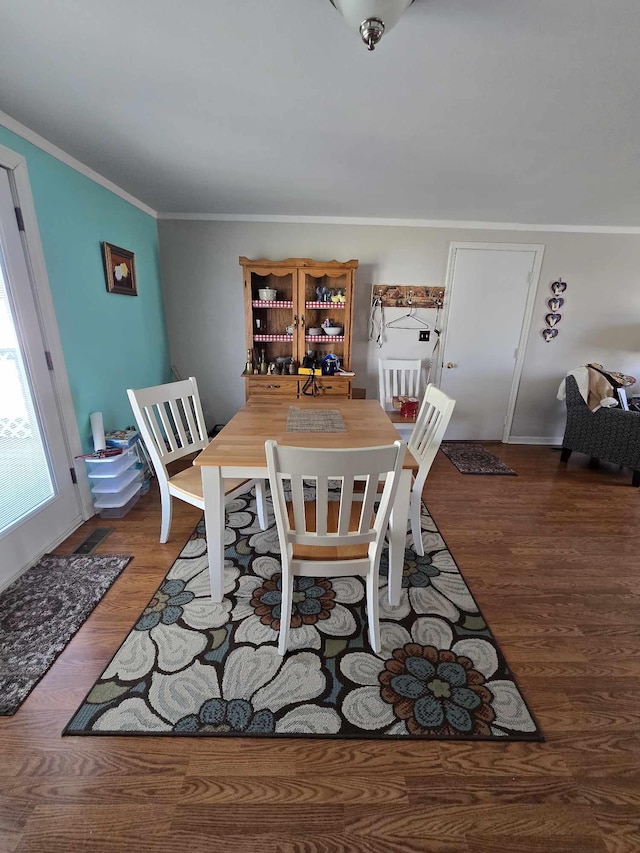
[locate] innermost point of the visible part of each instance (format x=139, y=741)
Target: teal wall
x=110, y=342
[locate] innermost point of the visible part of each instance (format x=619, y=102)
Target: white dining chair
x=332, y=538
x=399, y=377
x=431, y=424
x=171, y=424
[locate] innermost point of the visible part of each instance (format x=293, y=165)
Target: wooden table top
x=241, y=441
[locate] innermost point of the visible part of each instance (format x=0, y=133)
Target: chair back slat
x=322, y=504
x=178, y=416
x=297, y=498
x=346, y=502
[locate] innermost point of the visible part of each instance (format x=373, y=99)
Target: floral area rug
x=41, y=611
x=474, y=459
x=192, y=667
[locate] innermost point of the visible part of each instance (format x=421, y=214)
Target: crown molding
x=401, y=223
x=49, y=148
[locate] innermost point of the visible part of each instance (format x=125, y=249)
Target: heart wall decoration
x=554, y=303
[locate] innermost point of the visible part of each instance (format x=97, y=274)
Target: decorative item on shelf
x=554, y=303
x=371, y=18
x=120, y=270
x=263, y=367
x=330, y=328
x=310, y=359
x=248, y=368
x=330, y=364
x=267, y=294
x=314, y=331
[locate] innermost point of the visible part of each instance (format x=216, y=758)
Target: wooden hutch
x=281, y=329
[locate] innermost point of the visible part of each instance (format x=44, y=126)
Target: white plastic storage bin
x=110, y=466
x=115, y=483
x=117, y=504
x=112, y=485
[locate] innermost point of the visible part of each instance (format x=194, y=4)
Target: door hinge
x=19, y=219
x=74, y=479
x=48, y=359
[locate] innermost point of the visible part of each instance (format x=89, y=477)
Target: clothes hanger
x=410, y=315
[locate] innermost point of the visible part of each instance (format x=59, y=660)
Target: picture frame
x=119, y=270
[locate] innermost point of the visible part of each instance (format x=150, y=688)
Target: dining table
x=238, y=451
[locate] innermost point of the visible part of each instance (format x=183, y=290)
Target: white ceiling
x=521, y=111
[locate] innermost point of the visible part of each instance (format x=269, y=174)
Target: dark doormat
x=474, y=459
x=40, y=613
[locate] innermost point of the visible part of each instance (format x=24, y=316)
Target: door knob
x=450, y=364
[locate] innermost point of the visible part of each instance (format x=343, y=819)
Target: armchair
x=609, y=434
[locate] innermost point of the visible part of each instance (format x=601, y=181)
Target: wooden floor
x=553, y=559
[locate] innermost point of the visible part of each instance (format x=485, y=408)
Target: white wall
x=204, y=305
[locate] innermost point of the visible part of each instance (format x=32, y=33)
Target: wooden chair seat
x=189, y=483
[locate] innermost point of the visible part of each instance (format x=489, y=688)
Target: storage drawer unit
x=115, y=483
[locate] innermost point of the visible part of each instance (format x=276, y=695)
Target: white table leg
x=214, y=502
x=398, y=535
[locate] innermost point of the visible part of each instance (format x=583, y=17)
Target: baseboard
x=534, y=439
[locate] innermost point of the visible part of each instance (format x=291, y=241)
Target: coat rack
x=406, y=296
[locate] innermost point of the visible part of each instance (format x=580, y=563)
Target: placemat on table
x=314, y=420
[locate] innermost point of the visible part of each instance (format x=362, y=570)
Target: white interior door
x=38, y=500
x=490, y=291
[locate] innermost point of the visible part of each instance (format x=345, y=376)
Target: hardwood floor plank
x=294, y=790
x=354, y=844
x=84, y=828
x=254, y=819
x=492, y=790
x=450, y=821
x=620, y=826
x=542, y=844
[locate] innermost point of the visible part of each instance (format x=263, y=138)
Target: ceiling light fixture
x=371, y=18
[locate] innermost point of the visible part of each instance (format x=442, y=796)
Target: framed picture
x=120, y=270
